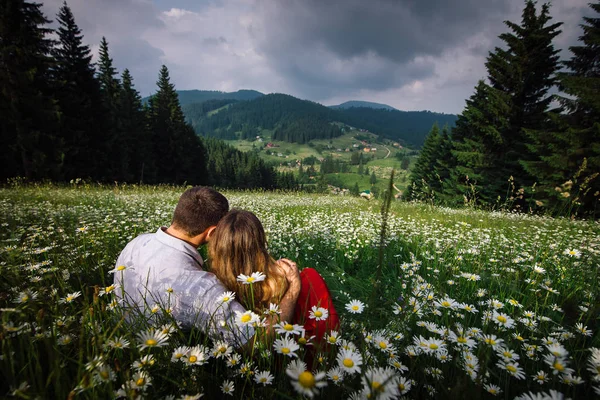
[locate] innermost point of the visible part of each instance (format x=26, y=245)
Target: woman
x=239, y=246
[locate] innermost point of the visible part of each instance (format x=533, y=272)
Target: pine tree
x=28, y=143
x=133, y=122
x=424, y=179
x=477, y=148
x=78, y=95
x=373, y=179
x=524, y=72
x=112, y=152
x=178, y=153
x=567, y=154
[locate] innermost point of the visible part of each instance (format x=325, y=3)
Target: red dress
x=314, y=292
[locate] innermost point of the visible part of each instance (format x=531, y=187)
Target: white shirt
x=166, y=271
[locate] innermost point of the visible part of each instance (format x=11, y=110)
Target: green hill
x=368, y=104
x=300, y=121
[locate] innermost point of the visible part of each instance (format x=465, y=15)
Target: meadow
x=442, y=303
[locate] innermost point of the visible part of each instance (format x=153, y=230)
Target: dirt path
x=389, y=152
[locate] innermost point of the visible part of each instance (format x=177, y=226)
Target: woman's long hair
x=239, y=246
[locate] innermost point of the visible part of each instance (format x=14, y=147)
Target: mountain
x=199, y=96
x=299, y=121
x=367, y=104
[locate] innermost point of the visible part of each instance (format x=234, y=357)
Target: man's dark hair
x=198, y=209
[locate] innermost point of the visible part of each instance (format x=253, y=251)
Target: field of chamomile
x=442, y=303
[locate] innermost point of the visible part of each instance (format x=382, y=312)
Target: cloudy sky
x=410, y=54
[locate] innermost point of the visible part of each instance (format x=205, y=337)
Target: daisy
x=264, y=377
x=318, y=313
x=255, y=277
x=557, y=350
x=286, y=346
x=179, y=353
x=558, y=364
x=447, y=303
x=380, y=383
x=305, y=382
x=583, y=329
x=118, y=343
x=512, y=368
x=288, y=329
x=247, y=318
x=108, y=290
x=572, y=253
x=336, y=375
x=70, y=297
x=355, y=306
x=492, y=340
x=151, y=338
x=228, y=388
x=332, y=337
x=493, y=389
x=404, y=385
x=433, y=345
x=503, y=320
x=273, y=310
x=103, y=374
x=349, y=361
x=225, y=298
x=119, y=268
x=197, y=355
x=141, y=380
x=233, y=360
x=221, y=349
x=541, y=377
x=144, y=362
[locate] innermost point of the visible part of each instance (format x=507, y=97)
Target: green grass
x=57, y=241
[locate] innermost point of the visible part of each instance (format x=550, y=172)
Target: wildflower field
x=444, y=304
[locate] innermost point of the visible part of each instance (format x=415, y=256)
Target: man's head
x=198, y=209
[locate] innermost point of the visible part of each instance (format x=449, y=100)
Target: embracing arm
x=288, y=302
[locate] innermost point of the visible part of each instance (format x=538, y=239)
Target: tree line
x=515, y=143
x=64, y=117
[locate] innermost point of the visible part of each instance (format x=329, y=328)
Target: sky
x=411, y=54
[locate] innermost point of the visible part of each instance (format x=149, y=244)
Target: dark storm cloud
x=391, y=34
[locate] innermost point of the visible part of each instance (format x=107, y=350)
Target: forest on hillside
x=300, y=121
x=65, y=118
x=509, y=146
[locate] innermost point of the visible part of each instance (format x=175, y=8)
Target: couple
x=164, y=271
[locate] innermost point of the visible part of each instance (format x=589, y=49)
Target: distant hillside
x=410, y=127
x=198, y=96
x=367, y=104
x=299, y=121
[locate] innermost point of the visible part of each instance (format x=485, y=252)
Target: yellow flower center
x=501, y=318
x=140, y=382
x=332, y=339
x=226, y=298
x=151, y=342
x=178, y=355
x=285, y=350
x=318, y=314
x=355, y=308
x=288, y=327
x=401, y=386
x=507, y=354
x=121, y=268
x=511, y=368
x=69, y=299
x=306, y=379
x=193, y=359
x=245, y=318
x=558, y=366
x=377, y=386
x=383, y=345
x=348, y=363
x=104, y=374
x=520, y=338
x=433, y=346
x=490, y=341
x=445, y=304
x=302, y=340
x=222, y=349
x=109, y=289
x=461, y=339
x=250, y=279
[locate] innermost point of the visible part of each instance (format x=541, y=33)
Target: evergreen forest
x=516, y=145
x=65, y=118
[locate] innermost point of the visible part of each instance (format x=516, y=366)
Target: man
x=164, y=271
